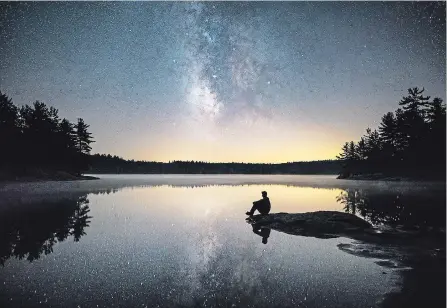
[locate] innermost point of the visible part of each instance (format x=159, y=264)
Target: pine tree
x=40, y=126
x=33, y=138
x=344, y=152
x=415, y=128
x=68, y=135
x=402, y=135
x=436, y=136
x=436, y=112
x=83, y=141
x=361, y=149
x=388, y=137
x=84, y=138
x=67, y=144
x=387, y=128
x=9, y=131
x=352, y=153
x=415, y=100
x=411, y=142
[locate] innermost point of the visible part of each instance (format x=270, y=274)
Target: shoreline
x=415, y=256
x=387, y=178
x=61, y=176
x=46, y=178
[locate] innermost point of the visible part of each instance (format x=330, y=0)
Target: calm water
x=169, y=241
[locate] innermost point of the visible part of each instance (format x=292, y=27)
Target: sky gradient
x=222, y=81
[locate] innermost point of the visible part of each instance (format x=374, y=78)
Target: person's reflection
x=261, y=231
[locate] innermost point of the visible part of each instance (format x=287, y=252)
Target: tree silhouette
x=102, y=163
x=67, y=141
x=415, y=100
x=35, y=141
x=409, y=142
x=344, y=155
x=9, y=131
x=362, y=149
x=388, y=131
x=84, y=138
x=436, y=136
x=401, y=136
x=83, y=141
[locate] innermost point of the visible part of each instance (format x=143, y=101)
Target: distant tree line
x=34, y=139
x=409, y=142
x=101, y=163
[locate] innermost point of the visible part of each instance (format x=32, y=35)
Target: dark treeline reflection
x=29, y=230
x=409, y=211
x=196, y=186
x=409, y=142
x=107, y=191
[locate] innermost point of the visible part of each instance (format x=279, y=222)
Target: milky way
x=222, y=81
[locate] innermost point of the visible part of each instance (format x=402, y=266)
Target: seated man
x=263, y=206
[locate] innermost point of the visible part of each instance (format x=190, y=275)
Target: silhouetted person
x=262, y=231
x=263, y=206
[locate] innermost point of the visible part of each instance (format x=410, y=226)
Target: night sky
x=222, y=81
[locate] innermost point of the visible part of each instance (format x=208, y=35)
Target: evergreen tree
x=344, y=152
x=349, y=157
x=352, y=153
x=414, y=125
x=436, y=113
x=83, y=141
x=35, y=140
x=415, y=100
x=401, y=138
x=361, y=149
x=68, y=135
x=388, y=129
x=84, y=138
x=410, y=142
x=67, y=144
x=388, y=137
x=436, y=137
x=9, y=131
x=373, y=145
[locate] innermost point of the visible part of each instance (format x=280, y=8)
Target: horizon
x=218, y=162
x=221, y=82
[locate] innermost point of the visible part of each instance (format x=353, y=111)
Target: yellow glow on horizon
x=263, y=141
x=274, y=151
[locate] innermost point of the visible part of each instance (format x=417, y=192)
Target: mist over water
x=182, y=241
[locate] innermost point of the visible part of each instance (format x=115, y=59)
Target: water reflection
x=107, y=191
x=174, y=245
x=261, y=231
x=30, y=230
x=409, y=211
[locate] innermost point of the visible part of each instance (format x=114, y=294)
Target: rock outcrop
x=321, y=224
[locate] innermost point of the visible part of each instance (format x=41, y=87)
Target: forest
x=102, y=163
x=35, y=141
x=410, y=142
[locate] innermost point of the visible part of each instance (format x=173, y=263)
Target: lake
x=182, y=241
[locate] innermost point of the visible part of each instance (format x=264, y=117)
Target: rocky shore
x=420, y=257
x=40, y=175
x=371, y=177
